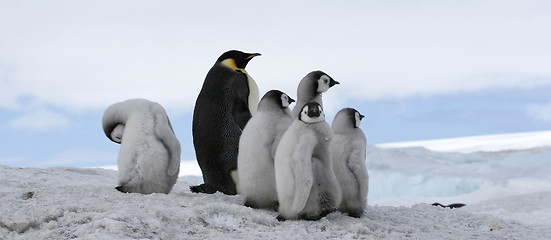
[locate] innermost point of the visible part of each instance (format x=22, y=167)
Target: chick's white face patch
x=304, y=113
x=322, y=114
x=324, y=83
x=358, y=119
x=307, y=119
x=285, y=100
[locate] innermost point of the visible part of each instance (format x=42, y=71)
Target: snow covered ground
x=507, y=192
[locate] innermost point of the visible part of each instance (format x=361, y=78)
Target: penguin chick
x=310, y=89
x=349, y=151
x=227, y=100
x=149, y=157
x=306, y=184
x=257, y=145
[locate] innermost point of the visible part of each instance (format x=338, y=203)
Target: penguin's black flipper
x=240, y=111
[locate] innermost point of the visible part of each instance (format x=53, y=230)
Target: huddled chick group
x=296, y=162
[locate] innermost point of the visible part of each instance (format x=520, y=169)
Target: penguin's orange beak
x=251, y=55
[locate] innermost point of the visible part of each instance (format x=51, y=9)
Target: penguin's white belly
x=254, y=95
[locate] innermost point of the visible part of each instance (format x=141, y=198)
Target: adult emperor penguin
x=257, y=146
x=306, y=184
x=310, y=89
x=348, y=149
x=228, y=99
x=149, y=157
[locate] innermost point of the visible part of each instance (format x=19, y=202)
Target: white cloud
x=86, y=56
x=40, y=120
x=541, y=112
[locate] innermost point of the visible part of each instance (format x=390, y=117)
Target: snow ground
x=64, y=203
x=507, y=192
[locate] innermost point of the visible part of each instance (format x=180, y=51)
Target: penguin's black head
x=312, y=112
x=240, y=58
x=276, y=97
x=323, y=81
x=356, y=118
x=286, y=100
x=347, y=118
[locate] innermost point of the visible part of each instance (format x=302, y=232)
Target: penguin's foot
x=209, y=188
x=311, y=217
x=203, y=188
x=122, y=189
x=228, y=190
x=249, y=203
x=357, y=213
x=326, y=212
x=280, y=218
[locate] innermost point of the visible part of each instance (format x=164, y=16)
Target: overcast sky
x=417, y=69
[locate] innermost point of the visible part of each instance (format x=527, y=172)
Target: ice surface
x=499, y=142
x=418, y=172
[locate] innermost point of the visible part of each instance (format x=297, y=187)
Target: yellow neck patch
x=254, y=94
x=231, y=64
